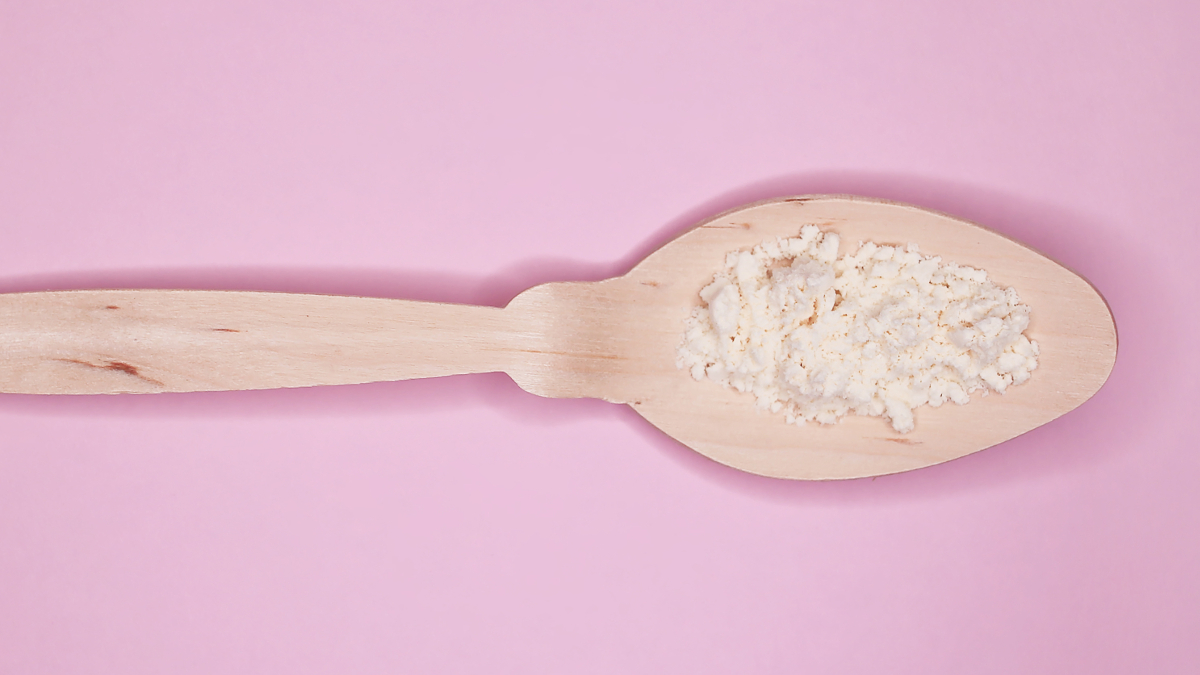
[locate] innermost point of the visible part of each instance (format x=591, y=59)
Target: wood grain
x=87, y=342
x=614, y=339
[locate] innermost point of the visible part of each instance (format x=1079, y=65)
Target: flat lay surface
x=462, y=152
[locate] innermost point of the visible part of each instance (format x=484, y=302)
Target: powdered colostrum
x=878, y=332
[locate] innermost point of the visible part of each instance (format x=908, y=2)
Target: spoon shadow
x=1093, y=434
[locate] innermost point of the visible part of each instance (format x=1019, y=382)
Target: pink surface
x=462, y=152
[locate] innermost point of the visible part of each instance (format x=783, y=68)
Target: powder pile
x=877, y=332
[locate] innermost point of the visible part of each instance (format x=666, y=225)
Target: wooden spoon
x=614, y=339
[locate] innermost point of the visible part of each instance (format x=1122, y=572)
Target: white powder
x=877, y=332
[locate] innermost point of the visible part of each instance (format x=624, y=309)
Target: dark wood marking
x=227, y=330
x=119, y=366
x=798, y=200
x=123, y=367
x=112, y=307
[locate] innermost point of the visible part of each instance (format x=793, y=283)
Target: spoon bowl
x=617, y=340
x=614, y=339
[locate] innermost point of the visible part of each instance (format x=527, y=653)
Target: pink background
x=464, y=151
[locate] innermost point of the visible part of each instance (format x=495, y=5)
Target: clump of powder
x=877, y=332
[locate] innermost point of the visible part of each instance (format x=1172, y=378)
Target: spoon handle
x=97, y=342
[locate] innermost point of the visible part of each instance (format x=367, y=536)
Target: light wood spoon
x=614, y=339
